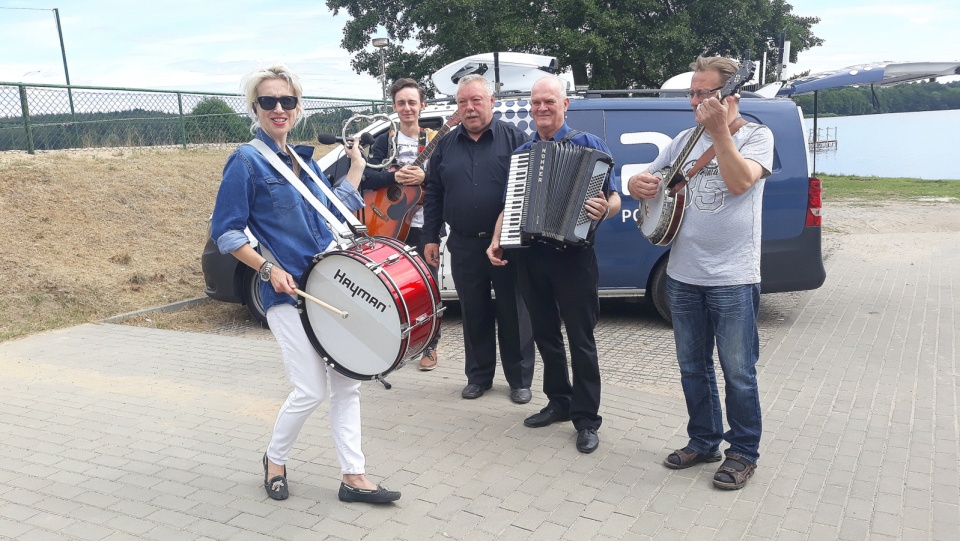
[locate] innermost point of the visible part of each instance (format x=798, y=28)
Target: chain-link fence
x=47, y=117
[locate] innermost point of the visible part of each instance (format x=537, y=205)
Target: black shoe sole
x=523, y=400
x=381, y=495
x=474, y=396
x=541, y=424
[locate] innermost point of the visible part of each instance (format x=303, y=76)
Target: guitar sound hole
x=394, y=193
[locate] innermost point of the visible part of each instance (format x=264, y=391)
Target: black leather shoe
x=546, y=417
x=520, y=396
x=587, y=440
x=361, y=495
x=473, y=390
x=276, y=486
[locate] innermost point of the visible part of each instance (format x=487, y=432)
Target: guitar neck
x=431, y=146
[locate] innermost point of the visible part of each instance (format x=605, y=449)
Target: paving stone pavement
x=114, y=432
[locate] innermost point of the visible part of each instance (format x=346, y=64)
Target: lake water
x=911, y=145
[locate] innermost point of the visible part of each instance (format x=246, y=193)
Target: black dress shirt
x=467, y=179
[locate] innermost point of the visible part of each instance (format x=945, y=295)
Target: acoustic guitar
x=660, y=217
x=390, y=209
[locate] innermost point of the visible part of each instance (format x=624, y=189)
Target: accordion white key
x=546, y=188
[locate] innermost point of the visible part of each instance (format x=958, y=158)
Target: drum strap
x=335, y=224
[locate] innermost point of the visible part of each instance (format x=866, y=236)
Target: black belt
x=483, y=235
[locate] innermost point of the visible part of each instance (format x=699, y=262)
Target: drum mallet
x=333, y=309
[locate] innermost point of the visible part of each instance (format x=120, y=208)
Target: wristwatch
x=265, y=271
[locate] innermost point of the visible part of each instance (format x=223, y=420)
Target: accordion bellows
x=546, y=188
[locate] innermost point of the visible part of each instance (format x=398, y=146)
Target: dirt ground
x=94, y=234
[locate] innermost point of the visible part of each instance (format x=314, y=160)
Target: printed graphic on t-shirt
x=706, y=188
x=406, y=150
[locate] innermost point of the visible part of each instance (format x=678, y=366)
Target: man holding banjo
x=713, y=274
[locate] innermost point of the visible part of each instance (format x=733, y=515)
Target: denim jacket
x=253, y=194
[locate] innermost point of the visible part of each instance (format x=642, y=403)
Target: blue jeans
x=725, y=316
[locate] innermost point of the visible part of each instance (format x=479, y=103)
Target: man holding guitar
x=713, y=274
x=393, y=196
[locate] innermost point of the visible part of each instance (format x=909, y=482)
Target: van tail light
x=814, y=203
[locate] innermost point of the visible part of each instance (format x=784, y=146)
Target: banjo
x=659, y=217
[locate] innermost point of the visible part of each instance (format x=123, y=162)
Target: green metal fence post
x=183, y=124
x=25, y=111
x=63, y=52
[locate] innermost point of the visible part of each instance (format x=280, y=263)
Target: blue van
x=636, y=129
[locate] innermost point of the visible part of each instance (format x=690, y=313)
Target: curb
x=173, y=307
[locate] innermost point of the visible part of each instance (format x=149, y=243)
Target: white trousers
x=310, y=376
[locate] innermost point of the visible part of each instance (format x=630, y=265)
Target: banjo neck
x=673, y=174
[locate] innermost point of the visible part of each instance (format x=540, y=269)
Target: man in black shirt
x=465, y=184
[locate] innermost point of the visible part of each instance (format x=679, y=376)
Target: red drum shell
x=392, y=300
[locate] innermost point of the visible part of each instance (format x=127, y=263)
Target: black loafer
x=546, y=417
x=473, y=390
x=520, y=396
x=276, y=486
x=587, y=440
x=361, y=495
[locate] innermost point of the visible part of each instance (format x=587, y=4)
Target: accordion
x=546, y=189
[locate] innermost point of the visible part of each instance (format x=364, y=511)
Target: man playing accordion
x=560, y=283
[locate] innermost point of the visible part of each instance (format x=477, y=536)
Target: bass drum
x=392, y=302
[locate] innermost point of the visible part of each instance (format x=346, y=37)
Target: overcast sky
x=210, y=45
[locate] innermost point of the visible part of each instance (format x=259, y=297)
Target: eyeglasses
x=703, y=94
x=269, y=103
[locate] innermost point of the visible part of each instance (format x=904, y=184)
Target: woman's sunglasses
x=269, y=103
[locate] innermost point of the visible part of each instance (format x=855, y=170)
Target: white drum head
x=368, y=341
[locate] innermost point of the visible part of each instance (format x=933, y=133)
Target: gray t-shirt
x=718, y=243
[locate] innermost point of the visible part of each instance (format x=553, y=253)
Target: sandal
x=686, y=457
x=734, y=473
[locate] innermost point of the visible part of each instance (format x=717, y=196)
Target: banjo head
x=654, y=214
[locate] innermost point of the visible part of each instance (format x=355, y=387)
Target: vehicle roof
x=873, y=74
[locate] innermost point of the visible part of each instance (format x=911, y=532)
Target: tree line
x=610, y=44
x=865, y=100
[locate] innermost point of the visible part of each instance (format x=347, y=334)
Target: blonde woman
x=253, y=194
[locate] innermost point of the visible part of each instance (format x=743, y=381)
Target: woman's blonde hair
x=252, y=81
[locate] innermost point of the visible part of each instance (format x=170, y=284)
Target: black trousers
x=562, y=285
x=487, y=319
